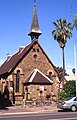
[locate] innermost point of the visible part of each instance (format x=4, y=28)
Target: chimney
x=8, y=56
x=21, y=48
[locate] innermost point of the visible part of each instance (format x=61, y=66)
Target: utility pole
x=75, y=64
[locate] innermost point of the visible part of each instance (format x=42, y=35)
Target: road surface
x=42, y=116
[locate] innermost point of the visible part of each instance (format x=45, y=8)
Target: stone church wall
x=36, y=59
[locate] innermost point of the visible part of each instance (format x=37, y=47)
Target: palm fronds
x=62, y=31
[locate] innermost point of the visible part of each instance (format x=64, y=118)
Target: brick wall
x=36, y=59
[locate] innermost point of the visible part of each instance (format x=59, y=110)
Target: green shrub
x=69, y=90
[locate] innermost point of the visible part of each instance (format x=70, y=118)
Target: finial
x=34, y=1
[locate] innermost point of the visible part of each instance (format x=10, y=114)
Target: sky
x=15, y=23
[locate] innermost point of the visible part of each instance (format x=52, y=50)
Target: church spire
x=35, y=30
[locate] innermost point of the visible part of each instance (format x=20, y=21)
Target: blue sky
x=15, y=22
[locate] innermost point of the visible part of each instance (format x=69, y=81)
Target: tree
x=68, y=90
x=75, y=21
x=60, y=70
x=61, y=33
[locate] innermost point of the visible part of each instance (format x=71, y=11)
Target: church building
x=29, y=73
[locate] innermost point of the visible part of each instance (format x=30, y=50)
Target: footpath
x=27, y=110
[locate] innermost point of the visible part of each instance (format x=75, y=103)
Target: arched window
x=17, y=80
x=50, y=75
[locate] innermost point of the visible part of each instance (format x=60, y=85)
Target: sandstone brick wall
x=36, y=59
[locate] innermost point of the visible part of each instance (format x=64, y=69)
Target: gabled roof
x=9, y=65
x=37, y=77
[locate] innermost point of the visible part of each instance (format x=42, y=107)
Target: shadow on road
x=64, y=110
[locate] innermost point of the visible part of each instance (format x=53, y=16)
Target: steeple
x=35, y=30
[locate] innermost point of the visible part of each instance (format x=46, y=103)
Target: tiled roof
x=37, y=77
x=11, y=62
x=14, y=60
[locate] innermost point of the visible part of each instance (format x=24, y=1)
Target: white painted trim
x=35, y=71
x=33, y=75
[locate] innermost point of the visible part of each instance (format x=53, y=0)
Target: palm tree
x=61, y=33
x=75, y=21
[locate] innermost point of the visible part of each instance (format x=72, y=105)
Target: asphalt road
x=42, y=116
